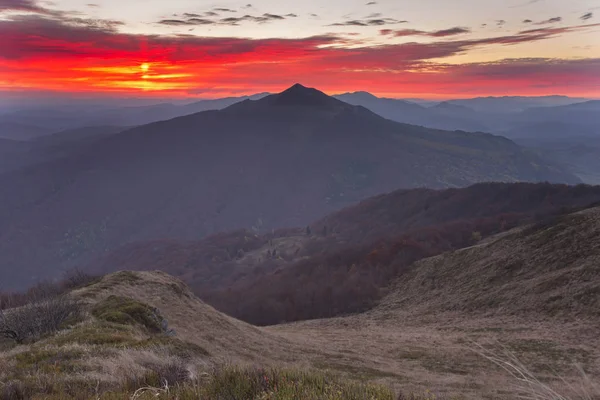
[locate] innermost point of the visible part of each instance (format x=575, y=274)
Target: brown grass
x=525, y=300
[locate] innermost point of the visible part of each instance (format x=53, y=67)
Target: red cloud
x=73, y=54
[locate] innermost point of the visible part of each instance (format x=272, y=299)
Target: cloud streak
x=369, y=22
x=193, y=19
x=550, y=21
x=415, y=32
x=48, y=51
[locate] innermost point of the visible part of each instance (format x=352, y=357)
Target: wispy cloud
x=369, y=22
x=208, y=18
x=550, y=21
x=63, y=17
x=415, y=32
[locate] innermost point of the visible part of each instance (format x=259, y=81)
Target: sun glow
x=145, y=67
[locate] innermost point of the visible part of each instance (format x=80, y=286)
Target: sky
x=431, y=49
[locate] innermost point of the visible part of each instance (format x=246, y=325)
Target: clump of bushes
x=72, y=279
x=34, y=320
x=127, y=311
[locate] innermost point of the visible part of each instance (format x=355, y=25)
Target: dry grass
x=535, y=292
x=418, y=340
x=227, y=339
x=528, y=386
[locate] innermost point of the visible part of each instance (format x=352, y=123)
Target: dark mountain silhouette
x=283, y=160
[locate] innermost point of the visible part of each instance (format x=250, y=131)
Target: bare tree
x=75, y=278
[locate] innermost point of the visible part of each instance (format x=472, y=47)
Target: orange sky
x=52, y=50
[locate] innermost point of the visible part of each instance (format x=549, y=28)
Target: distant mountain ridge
x=32, y=123
x=283, y=160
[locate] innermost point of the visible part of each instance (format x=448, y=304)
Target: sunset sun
x=144, y=67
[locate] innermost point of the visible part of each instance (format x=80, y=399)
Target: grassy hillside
x=527, y=296
x=552, y=267
x=344, y=262
x=115, y=343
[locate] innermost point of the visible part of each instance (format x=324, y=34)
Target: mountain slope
x=284, y=160
x=531, y=294
x=20, y=154
x=551, y=267
x=194, y=321
x=343, y=262
x=20, y=129
x=585, y=114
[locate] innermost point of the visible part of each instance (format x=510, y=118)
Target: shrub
x=170, y=374
x=126, y=311
x=37, y=319
x=76, y=278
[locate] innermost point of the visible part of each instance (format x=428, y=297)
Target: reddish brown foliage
x=348, y=268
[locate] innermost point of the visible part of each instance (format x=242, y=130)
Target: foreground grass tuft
x=240, y=383
x=173, y=381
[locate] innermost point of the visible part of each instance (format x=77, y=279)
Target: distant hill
x=284, y=160
x=30, y=123
x=569, y=135
x=579, y=154
x=408, y=112
x=343, y=263
x=510, y=104
x=586, y=114
x=539, y=123
x=488, y=114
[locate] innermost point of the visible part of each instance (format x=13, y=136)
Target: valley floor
x=441, y=354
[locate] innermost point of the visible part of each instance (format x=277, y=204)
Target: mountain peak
x=299, y=95
x=362, y=94
x=297, y=87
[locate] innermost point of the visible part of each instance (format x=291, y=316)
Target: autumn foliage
x=345, y=262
